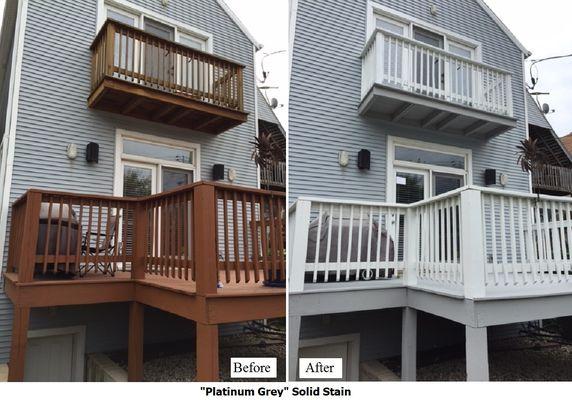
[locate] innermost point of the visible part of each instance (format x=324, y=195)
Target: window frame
x=393, y=165
x=127, y=8
x=376, y=10
x=121, y=158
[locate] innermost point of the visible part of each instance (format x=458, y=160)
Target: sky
x=267, y=21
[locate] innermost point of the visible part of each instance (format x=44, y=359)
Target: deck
x=204, y=252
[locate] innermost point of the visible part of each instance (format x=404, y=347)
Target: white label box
x=252, y=368
x=321, y=368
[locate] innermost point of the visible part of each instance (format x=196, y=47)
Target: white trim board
x=11, y=122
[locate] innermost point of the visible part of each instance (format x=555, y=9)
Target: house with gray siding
x=412, y=226
x=127, y=184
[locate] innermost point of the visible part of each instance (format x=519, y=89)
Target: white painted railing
x=474, y=242
x=399, y=62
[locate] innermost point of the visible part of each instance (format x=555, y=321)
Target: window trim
x=127, y=7
x=393, y=164
x=374, y=10
x=120, y=157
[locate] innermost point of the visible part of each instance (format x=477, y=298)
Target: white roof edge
x=239, y=23
x=505, y=28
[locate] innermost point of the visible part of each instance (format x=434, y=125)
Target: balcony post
x=240, y=91
x=204, y=239
x=20, y=324
x=140, y=240
x=109, y=48
x=299, y=223
x=509, y=104
x=411, y=246
x=379, y=61
x=472, y=243
x=27, y=255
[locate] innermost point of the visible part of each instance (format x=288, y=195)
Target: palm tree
x=530, y=157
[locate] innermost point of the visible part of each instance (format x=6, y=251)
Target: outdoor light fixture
x=364, y=159
x=218, y=172
x=504, y=179
x=490, y=177
x=71, y=151
x=92, y=153
x=343, y=158
x=434, y=10
x=231, y=174
x=165, y=3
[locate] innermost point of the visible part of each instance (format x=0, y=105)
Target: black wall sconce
x=218, y=172
x=364, y=159
x=490, y=177
x=92, y=153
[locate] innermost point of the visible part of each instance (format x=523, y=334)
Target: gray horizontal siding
x=326, y=91
x=535, y=116
x=265, y=112
x=53, y=111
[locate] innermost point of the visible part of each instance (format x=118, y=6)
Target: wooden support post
x=207, y=353
x=109, y=49
x=140, y=241
x=20, y=322
x=204, y=238
x=409, y=345
x=477, y=354
x=412, y=247
x=135, y=344
x=294, y=323
x=27, y=255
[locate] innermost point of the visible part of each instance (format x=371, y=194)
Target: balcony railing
x=552, y=178
x=130, y=55
x=472, y=242
x=206, y=233
x=274, y=175
x=406, y=64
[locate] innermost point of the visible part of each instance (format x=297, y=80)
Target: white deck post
x=477, y=354
x=409, y=345
x=472, y=244
x=293, y=346
x=411, y=247
x=299, y=223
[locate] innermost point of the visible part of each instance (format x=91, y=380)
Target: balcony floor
x=168, y=107
x=415, y=109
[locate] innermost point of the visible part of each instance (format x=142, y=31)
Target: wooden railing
x=207, y=233
x=473, y=242
x=396, y=61
x=123, y=52
x=274, y=175
x=552, y=178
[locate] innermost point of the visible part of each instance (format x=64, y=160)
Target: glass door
x=462, y=80
x=430, y=71
x=411, y=185
x=172, y=178
x=160, y=60
x=139, y=179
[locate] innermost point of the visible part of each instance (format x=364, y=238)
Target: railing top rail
x=352, y=202
x=523, y=195
x=437, y=50
x=157, y=39
x=181, y=189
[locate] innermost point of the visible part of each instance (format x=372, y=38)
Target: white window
x=391, y=25
x=420, y=170
x=147, y=165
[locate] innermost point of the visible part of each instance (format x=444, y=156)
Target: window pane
x=120, y=17
x=410, y=188
x=173, y=178
x=137, y=182
x=428, y=37
x=429, y=157
x=157, y=151
x=192, y=42
x=460, y=51
x=445, y=183
x=390, y=26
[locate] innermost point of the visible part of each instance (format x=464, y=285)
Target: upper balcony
x=140, y=75
x=407, y=81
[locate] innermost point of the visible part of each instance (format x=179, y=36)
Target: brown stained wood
x=205, y=251
x=135, y=342
x=49, y=224
x=273, y=244
x=207, y=353
x=264, y=237
x=281, y=239
x=30, y=228
x=245, y=237
x=226, y=238
x=254, y=229
x=20, y=323
x=58, y=235
x=140, y=240
x=235, y=236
